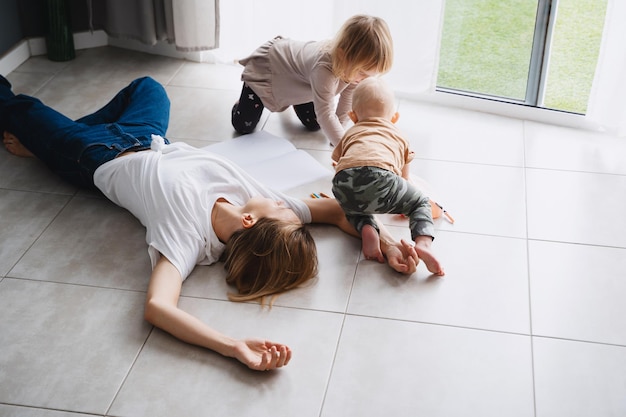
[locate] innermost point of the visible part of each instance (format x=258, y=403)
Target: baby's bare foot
x=426, y=254
x=14, y=146
x=370, y=242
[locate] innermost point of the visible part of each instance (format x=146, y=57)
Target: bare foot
x=426, y=254
x=14, y=146
x=370, y=242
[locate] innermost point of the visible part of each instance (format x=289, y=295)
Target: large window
x=538, y=53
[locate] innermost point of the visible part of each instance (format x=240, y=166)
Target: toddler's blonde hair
x=362, y=44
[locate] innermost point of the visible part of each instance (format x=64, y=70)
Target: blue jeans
x=75, y=149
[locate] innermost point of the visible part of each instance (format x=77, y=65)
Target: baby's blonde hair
x=373, y=98
x=362, y=44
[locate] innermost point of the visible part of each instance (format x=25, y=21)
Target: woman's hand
x=162, y=311
x=401, y=257
x=262, y=355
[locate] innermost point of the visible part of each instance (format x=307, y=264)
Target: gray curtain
x=192, y=25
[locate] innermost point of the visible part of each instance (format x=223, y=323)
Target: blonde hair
x=269, y=258
x=373, y=98
x=363, y=43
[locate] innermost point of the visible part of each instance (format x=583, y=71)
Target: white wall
x=415, y=27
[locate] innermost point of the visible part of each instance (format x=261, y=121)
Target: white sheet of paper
x=272, y=160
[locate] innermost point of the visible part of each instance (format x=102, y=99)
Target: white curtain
x=246, y=24
x=195, y=23
x=416, y=30
x=415, y=27
x=607, y=102
x=192, y=25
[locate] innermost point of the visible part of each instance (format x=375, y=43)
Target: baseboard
x=164, y=49
x=14, y=57
x=85, y=40
x=82, y=40
x=37, y=46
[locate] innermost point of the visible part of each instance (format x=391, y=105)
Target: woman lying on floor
x=196, y=206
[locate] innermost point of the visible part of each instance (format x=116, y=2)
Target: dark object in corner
x=59, y=38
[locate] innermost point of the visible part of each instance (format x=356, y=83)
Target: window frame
x=545, y=20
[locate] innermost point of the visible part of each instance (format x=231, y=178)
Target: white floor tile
x=207, y=282
x=199, y=75
x=27, y=82
x=338, y=255
x=29, y=174
x=577, y=292
x=24, y=217
x=575, y=379
x=577, y=207
x=83, y=98
x=201, y=114
x=460, y=135
x=476, y=292
x=67, y=347
x=553, y=147
x=393, y=368
x=483, y=199
x=98, y=65
x=42, y=65
x=91, y=242
x=286, y=125
x=171, y=378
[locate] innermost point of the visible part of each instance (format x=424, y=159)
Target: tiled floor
x=530, y=319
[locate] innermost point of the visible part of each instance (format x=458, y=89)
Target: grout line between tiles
x=530, y=307
x=69, y=200
x=130, y=368
x=343, y=322
x=76, y=284
x=610, y=174
x=180, y=68
x=591, y=342
x=593, y=245
x=428, y=323
x=332, y=365
x=32, y=407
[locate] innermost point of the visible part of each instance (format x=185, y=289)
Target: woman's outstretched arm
x=328, y=210
x=162, y=311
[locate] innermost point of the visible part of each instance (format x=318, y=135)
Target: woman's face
x=266, y=207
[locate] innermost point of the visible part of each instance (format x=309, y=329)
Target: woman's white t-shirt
x=171, y=189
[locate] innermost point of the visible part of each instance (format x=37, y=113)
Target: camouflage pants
x=365, y=191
